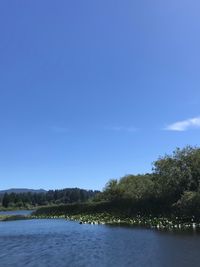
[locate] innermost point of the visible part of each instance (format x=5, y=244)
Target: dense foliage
x=172, y=189
x=29, y=199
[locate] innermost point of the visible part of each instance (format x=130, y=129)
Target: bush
x=189, y=204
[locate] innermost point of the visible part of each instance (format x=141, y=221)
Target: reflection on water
x=61, y=243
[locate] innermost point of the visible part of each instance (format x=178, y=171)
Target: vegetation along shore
x=166, y=198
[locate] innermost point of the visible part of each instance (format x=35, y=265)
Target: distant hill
x=22, y=190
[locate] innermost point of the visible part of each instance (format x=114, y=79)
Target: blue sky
x=93, y=90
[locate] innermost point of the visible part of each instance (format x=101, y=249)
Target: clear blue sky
x=93, y=90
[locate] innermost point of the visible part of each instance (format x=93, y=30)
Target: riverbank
x=112, y=213
x=93, y=213
x=4, y=218
x=110, y=219
x=136, y=221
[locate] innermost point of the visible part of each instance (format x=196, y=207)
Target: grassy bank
x=107, y=213
x=4, y=218
x=112, y=219
x=94, y=213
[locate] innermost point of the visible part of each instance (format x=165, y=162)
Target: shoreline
x=105, y=218
x=160, y=223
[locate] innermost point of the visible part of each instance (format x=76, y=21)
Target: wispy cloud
x=58, y=129
x=121, y=129
x=184, y=125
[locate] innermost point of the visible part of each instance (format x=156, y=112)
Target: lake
x=61, y=243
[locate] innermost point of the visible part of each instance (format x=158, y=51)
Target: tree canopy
x=173, y=183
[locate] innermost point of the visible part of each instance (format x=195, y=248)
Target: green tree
x=176, y=173
x=112, y=191
x=5, y=200
x=136, y=187
x=189, y=204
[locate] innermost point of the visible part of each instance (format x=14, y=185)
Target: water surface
x=60, y=243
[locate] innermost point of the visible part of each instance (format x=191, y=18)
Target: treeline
x=172, y=189
x=51, y=197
